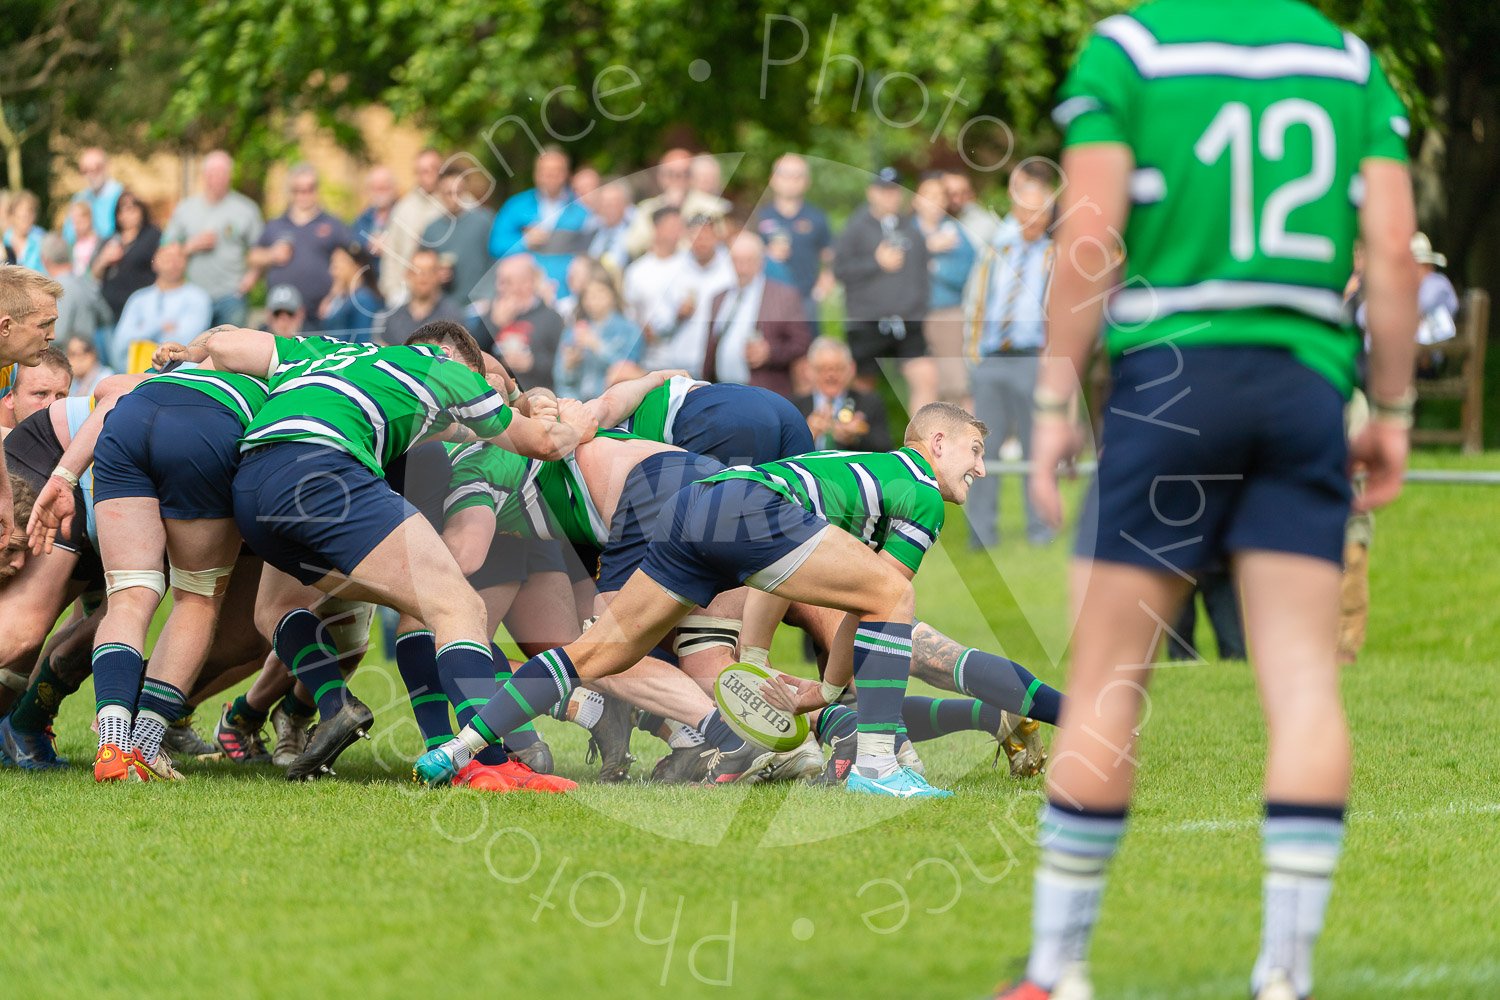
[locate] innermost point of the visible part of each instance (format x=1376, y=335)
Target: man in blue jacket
x=546, y=221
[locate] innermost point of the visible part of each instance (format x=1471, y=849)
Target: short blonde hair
x=941, y=416
x=19, y=287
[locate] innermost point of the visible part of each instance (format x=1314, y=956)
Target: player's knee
x=894, y=599
x=207, y=583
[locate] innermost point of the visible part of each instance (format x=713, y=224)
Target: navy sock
x=929, y=718
x=716, y=732
x=516, y=739
x=309, y=652
x=836, y=721
x=117, y=675
x=536, y=686
x=161, y=704
x=882, y=662
x=37, y=707
x=416, y=659
x=648, y=723
x=1006, y=684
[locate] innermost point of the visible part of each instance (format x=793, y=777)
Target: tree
x=45, y=46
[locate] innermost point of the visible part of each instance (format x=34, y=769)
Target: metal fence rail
x=1446, y=477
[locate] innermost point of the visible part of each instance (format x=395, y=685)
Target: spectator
x=881, y=259
x=285, y=311
x=410, y=217
x=951, y=258
x=85, y=240
x=1437, y=302
x=168, y=310
x=80, y=309
x=371, y=223
x=1005, y=320
x=706, y=179
x=5, y=196
x=353, y=304
x=581, y=271
x=586, y=181
x=424, y=303
x=517, y=326
x=673, y=181
x=545, y=221
x=461, y=236
x=1216, y=587
x=100, y=193
x=217, y=228
x=23, y=238
x=757, y=327
x=124, y=264
x=295, y=248
x=799, y=242
x=839, y=415
x=593, y=343
x=611, y=213
x=705, y=270
x=980, y=224
x=88, y=370
x=36, y=388
x=654, y=297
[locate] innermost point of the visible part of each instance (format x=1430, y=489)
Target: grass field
x=236, y=884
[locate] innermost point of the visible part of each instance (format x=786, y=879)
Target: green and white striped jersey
x=889, y=500
x=372, y=402
x=1248, y=123
x=243, y=395
x=656, y=417
x=530, y=498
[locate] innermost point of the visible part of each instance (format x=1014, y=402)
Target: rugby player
x=838, y=529
x=1239, y=148
x=28, y=315
x=35, y=389
x=310, y=496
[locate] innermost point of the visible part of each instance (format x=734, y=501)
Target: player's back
x=1248, y=123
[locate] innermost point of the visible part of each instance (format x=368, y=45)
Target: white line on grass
x=1356, y=815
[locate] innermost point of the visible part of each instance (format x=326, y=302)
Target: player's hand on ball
x=796, y=695
x=168, y=352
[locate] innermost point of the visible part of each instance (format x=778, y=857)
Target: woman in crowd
x=88, y=370
x=123, y=264
x=600, y=337
x=85, y=239
x=354, y=302
x=23, y=238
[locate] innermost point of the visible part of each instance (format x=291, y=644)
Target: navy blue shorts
x=1244, y=449
x=513, y=559
x=174, y=444
x=310, y=510
x=714, y=537
x=740, y=425
x=648, y=488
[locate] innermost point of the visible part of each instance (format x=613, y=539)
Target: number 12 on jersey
x=1232, y=130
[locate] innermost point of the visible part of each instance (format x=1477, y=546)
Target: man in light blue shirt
x=101, y=193
x=1005, y=311
x=169, y=310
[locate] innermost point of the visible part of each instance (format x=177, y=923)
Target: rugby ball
x=737, y=691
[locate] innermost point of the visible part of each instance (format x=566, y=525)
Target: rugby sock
x=929, y=718
x=516, y=739
x=1077, y=845
x=160, y=705
x=1300, y=846
x=292, y=704
x=683, y=737
x=309, y=652
x=836, y=722
x=1006, y=684
x=416, y=659
x=468, y=673
x=536, y=686
x=717, y=732
x=38, y=705
x=243, y=715
x=117, y=682
x=882, y=661
x=587, y=708
x=653, y=724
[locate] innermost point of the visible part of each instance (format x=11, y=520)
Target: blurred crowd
x=582, y=280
